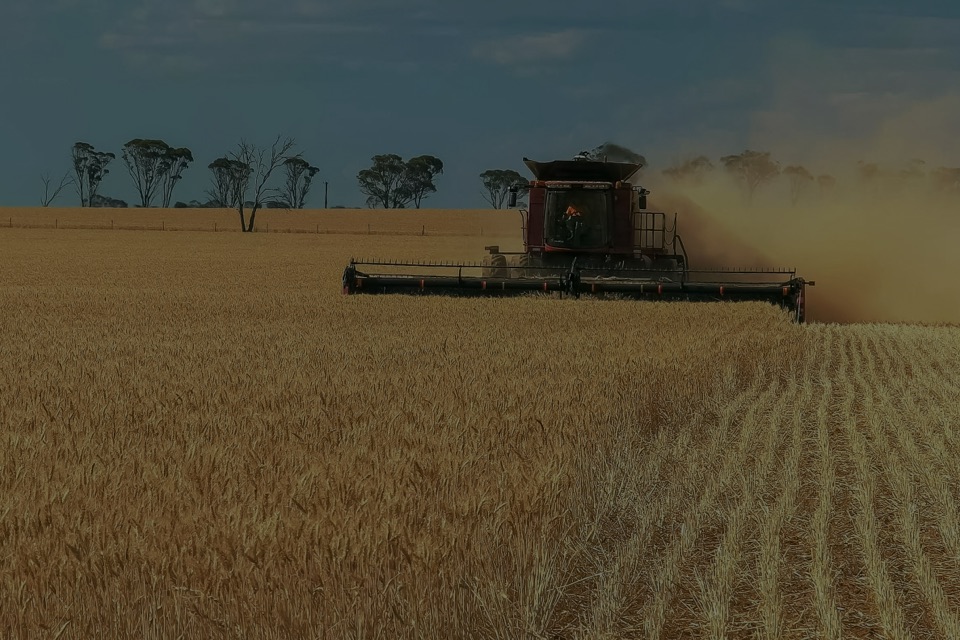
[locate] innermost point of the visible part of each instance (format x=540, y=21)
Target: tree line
x=248, y=178
x=238, y=179
x=251, y=177
x=241, y=179
x=750, y=170
x=753, y=170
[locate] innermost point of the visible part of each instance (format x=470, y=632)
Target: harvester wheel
x=495, y=266
x=529, y=266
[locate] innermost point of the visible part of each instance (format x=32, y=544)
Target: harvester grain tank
x=586, y=230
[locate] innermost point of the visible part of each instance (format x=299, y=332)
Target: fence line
x=112, y=226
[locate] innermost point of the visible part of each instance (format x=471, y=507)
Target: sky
x=479, y=85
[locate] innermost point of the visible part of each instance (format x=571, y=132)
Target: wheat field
x=200, y=437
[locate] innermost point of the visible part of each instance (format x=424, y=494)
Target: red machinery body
x=589, y=209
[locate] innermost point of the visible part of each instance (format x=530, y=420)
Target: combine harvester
x=586, y=230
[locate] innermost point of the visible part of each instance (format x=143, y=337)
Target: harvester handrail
x=748, y=270
x=683, y=250
x=413, y=263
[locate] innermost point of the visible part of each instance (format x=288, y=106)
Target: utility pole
x=325, y=190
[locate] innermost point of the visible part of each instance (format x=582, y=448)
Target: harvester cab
x=586, y=230
x=589, y=210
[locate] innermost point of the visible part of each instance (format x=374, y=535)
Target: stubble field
x=202, y=438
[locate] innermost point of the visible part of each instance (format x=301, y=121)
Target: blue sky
x=479, y=85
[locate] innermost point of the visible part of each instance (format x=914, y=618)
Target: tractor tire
x=495, y=266
x=528, y=266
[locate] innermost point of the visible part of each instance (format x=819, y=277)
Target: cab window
x=578, y=218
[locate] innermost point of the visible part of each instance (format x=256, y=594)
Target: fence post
x=368, y=228
x=56, y=223
x=163, y=225
x=214, y=226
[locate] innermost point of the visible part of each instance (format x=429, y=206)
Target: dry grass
x=202, y=438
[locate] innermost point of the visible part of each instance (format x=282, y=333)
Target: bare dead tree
x=50, y=195
x=241, y=178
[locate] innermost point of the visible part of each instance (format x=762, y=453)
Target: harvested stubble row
x=201, y=437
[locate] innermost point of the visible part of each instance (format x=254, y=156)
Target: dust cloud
x=883, y=248
x=875, y=257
